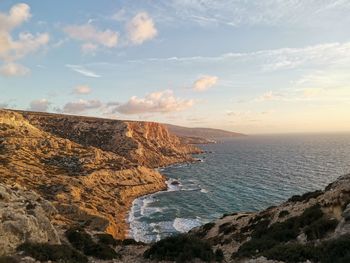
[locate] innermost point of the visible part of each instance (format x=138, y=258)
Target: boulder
x=24, y=218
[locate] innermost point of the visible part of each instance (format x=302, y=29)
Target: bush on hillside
x=305, y=197
x=46, y=252
x=7, y=259
x=181, y=248
x=293, y=253
x=106, y=239
x=83, y=242
x=283, y=213
x=320, y=228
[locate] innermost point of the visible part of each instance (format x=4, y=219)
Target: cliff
x=145, y=143
x=90, y=169
x=199, y=134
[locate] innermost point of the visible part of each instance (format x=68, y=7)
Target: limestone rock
x=23, y=218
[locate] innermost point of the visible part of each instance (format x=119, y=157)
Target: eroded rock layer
x=90, y=169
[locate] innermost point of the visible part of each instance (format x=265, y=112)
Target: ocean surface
x=242, y=174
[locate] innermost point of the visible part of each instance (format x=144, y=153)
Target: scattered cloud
x=120, y=15
x=39, y=105
x=327, y=54
x=88, y=48
x=270, y=96
x=255, y=13
x=205, y=83
x=92, y=36
x=156, y=102
x=12, y=69
x=83, y=71
x=81, y=106
x=12, y=49
x=82, y=90
x=141, y=28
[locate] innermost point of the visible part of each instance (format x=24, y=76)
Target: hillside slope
x=90, y=169
x=201, y=133
x=314, y=226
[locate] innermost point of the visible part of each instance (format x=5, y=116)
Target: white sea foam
x=184, y=225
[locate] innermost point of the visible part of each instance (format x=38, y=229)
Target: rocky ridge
x=89, y=169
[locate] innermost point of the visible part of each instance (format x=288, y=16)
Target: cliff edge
x=90, y=169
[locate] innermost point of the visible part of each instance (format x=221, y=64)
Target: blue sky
x=251, y=66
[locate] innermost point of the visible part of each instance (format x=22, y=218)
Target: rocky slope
x=295, y=231
x=25, y=216
x=90, y=169
x=145, y=143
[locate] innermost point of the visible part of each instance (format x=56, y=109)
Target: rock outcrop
x=302, y=222
x=89, y=169
x=148, y=144
x=24, y=217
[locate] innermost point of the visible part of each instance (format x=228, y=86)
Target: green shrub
x=292, y=253
x=180, y=248
x=83, y=242
x=320, y=228
x=259, y=229
x=79, y=238
x=336, y=251
x=226, y=228
x=106, y=239
x=45, y=252
x=254, y=247
x=310, y=215
x=283, y=231
x=305, y=197
x=283, y=213
x=219, y=255
x=130, y=242
x=208, y=226
x=7, y=259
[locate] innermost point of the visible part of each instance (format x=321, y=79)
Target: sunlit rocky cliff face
x=89, y=169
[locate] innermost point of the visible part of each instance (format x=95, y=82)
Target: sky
x=266, y=66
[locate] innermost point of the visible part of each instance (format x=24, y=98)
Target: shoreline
x=129, y=216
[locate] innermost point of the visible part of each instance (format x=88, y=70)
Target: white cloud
x=82, y=90
x=269, y=96
x=12, y=69
x=39, y=105
x=312, y=13
x=18, y=14
x=14, y=49
x=89, y=48
x=83, y=71
x=156, y=102
x=141, y=28
x=91, y=35
x=204, y=83
x=81, y=106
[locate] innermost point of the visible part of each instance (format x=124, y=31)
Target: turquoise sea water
x=242, y=174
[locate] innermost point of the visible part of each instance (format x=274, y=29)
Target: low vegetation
x=283, y=213
x=267, y=237
x=7, y=259
x=106, y=239
x=332, y=251
x=182, y=248
x=83, y=242
x=46, y=252
x=305, y=197
x=320, y=228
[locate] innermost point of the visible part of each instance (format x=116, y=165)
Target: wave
x=183, y=225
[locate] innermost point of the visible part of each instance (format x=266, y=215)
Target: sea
x=240, y=174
